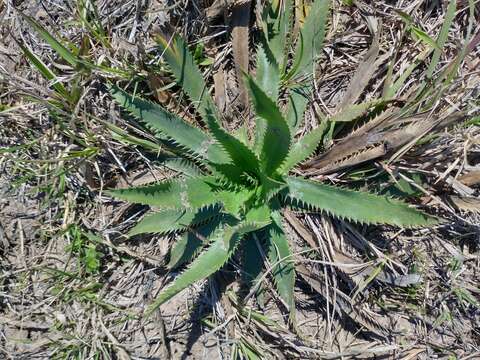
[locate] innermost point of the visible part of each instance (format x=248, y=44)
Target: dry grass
x=73, y=286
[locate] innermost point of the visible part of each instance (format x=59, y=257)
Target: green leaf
x=313, y=35
x=415, y=30
x=230, y=176
x=241, y=155
x=267, y=74
x=187, y=74
x=208, y=262
x=427, y=87
x=287, y=76
x=270, y=187
x=281, y=260
x=473, y=121
x=91, y=259
x=405, y=17
x=123, y=136
x=442, y=36
x=423, y=36
x=242, y=134
x=298, y=99
x=402, y=188
x=172, y=220
x=189, y=193
x=61, y=50
x=268, y=79
x=279, y=34
x=252, y=261
x=164, y=123
x=68, y=55
x=186, y=248
x=234, y=201
x=192, y=241
x=276, y=139
x=354, y=205
x=45, y=71
x=304, y=148
x=184, y=166
x=88, y=13
x=248, y=351
x=259, y=215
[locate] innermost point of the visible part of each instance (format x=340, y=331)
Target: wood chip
x=471, y=178
x=469, y=204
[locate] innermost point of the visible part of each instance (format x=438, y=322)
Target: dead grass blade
x=240, y=46
x=469, y=204
x=357, y=313
x=218, y=8
x=471, y=178
x=364, y=73
x=220, y=90
x=375, y=140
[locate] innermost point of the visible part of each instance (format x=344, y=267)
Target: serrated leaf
x=172, y=220
x=208, y=262
x=304, y=148
x=259, y=215
x=161, y=121
x=281, y=260
x=234, y=201
x=276, y=139
x=191, y=242
x=270, y=187
x=182, y=165
x=268, y=79
x=239, y=153
x=267, y=74
x=354, y=205
x=189, y=193
x=230, y=176
x=187, y=74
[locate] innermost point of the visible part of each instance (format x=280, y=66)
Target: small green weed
x=85, y=251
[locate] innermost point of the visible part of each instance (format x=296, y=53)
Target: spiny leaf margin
x=355, y=205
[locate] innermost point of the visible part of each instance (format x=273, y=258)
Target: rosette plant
x=231, y=195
